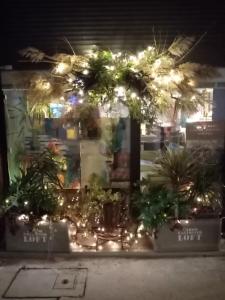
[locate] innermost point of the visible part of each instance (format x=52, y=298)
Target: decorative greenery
x=190, y=186
x=193, y=174
x=34, y=193
x=148, y=83
x=176, y=166
x=156, y=205
x=89, y=209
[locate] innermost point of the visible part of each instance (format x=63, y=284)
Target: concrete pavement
x=195, y=278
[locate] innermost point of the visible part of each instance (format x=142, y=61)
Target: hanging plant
x=147, y=83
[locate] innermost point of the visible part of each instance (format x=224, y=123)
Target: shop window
x=95, y=141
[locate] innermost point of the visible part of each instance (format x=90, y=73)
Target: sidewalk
x=193, y=278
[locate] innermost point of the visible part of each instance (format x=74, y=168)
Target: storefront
x=101, y=152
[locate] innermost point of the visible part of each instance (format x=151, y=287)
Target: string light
x=23, y=217
x=61, y=68
x=133, y=95
x=63, y=220
x=141, y=54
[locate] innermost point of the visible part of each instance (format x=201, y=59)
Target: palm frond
x=181, y=45
x=32, y=54
x=194, y=70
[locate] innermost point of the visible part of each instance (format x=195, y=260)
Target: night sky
x=118, y=25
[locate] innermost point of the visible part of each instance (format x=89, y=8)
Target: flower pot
x=193, y=235
x=43, y=238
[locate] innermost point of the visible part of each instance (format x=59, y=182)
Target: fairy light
x=100, y=247
x=7, y=201
x=61, y=68
x=150, y=48
x=141, y=54
x=44, y=218
x=23, y=217
x=25, y=203
x=111, y=68
x=120, y=91
x=136, y=241
x=186, y=221
x=157, y=63
x=139, y=235
x=86, y=72
x=175, y=76
x=199, y=199
x=133, y=58
x=63, y=220
x=133, y=95
x=141, y=227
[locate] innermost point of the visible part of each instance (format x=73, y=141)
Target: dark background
x=118, y=25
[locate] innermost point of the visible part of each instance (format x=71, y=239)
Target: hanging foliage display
x=148, y=83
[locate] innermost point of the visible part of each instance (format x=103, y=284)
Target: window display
x=85, y=142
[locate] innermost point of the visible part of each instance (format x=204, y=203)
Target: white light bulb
x=133, y=95
x=150, y=48
x=141, y=54
x=60, y=68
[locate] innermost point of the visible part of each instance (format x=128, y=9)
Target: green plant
x=34, y=193
x=193, y=174
x=156, y=205
x=94, y=199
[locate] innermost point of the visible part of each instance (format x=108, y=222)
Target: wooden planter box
x=40, y=239
x=195, y=235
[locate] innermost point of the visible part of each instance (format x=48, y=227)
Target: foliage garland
x=148, y=83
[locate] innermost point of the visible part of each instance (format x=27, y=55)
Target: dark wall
x=115, y=24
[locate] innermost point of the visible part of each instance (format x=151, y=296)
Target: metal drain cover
x=47, y=283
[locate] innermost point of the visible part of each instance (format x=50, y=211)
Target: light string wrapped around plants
x=148, y=83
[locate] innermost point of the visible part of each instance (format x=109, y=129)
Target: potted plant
x=182, y=212
x=32, y=206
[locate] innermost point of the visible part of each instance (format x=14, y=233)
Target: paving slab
x=125, y=278
x=47, y=282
